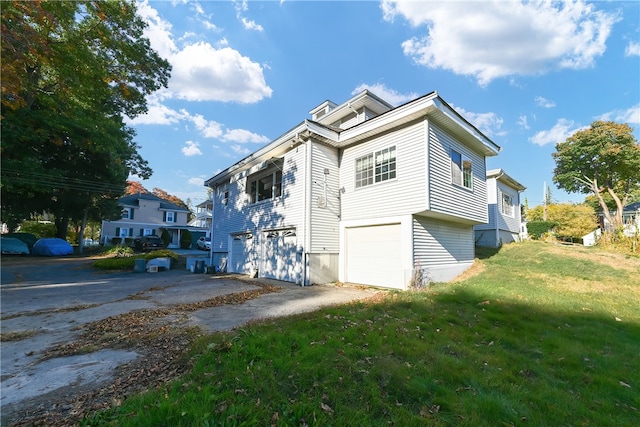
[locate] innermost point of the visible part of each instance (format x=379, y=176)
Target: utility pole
x=544, y=201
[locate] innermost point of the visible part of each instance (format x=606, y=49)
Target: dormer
x=358, y=109
x=322, y=109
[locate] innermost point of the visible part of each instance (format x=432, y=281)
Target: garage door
x=374, y=256
x=242, y=253
x=279, y=255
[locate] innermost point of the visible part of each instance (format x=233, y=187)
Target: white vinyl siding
x=446, y=197
x=325, y=205
x=506, y=222
x=444, y=248
x=405, y=193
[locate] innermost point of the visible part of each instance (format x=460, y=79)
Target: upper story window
x=461, y=170
x=507, y=205
x=127, y=213
x=376, y=167
x=264, y=186
x=170, y=217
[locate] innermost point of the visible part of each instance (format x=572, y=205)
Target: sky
x=527, y=74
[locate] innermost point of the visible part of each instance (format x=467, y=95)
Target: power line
x=60, y=182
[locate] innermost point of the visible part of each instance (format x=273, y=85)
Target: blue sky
x=244, y=72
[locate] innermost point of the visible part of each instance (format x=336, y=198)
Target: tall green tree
x=71, y=72
x=604, y=159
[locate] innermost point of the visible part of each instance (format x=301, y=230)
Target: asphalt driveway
x=46, y=302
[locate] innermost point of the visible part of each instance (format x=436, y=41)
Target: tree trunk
x=81, y=233
x=61, y=227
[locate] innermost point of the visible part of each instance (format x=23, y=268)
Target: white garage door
x=279, y=255
x=374, y=256
x=242, y=253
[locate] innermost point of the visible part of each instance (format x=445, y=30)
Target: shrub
x=116, y=240
x=116, y=263
x=118, y=252
x=162, y=253
x=537, y=228
x=40, y=229
x=166, y=237
x=185, y=239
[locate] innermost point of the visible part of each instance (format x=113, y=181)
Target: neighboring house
x=361, y=193
x=630, y=219
x=202, y=217
x=503, y=201
x=145, y=214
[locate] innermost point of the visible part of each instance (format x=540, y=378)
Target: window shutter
x=131, y=232
x=175, y=217
x=132, y=211
x=164, y=216
x=141, y=232
x=117, y=231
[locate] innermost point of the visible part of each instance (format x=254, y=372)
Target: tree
x=604, y=159
x=570, y=221
x=70, y=72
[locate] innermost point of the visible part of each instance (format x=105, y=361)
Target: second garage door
x=374, y=255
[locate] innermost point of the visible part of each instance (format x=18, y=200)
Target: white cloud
x=239, y=149
x=243, y=136
x=488, y=123
x=248, y=24
x=558, y=133
x=523, y=122
x=493, y=39
x=633, y=49
x=196, y=181
x=157, y=114
x=204, y=73
x=191, y=148
x=389, y=95
x=630, y=115
x=201, y=72
x=544, y=102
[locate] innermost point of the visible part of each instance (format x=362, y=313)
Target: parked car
x=204, y=243
x=148, y=243
x=28, y=238
x=52, y=246
x=13, y=246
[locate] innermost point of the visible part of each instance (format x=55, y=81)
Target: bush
x=116, y=240
x=537, y=228
x=40, y=229
x=185, y=239
x=162, y=253
x=166, y=237
x=116, y=263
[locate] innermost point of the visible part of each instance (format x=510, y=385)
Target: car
x=13, y=246
x=204, y=243
x=148, y=243
x=52, y=246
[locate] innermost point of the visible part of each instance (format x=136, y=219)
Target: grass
x=535, y=334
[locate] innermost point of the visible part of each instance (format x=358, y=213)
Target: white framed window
x=376, y=167
x=170, y=217
x=148, y=232
x=124, y=232
x=127, y=213
x=507, y=205
x=264, y=187
x=461, y=170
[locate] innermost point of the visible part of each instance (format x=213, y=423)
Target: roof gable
x=134, y=200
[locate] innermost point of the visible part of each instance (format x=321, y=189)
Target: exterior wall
x=445, y=249
x=323, y=268
x=500, y=229
x=324, y=206
x=450, y=199
x=406, y=193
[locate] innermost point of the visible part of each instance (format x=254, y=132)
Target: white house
x=503, y=202
x=362, y=193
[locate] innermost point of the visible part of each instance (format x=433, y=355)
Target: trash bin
x=199, y=267
x=140, y=266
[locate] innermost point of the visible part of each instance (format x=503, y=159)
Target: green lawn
x=536, y=334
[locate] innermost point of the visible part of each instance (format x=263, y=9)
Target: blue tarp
x=13, y=246
x=52, y=246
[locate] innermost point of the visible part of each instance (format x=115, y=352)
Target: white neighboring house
x=146, y=214
x=202, y=218
x=630, y=219
x=505, y=218
x=362, y=192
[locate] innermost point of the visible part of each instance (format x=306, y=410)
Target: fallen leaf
x=326, y=408
x=622, y=383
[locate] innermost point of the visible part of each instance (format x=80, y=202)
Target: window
x=125, y=232
x=385, y=164
x=385, y=167
x=148, y=232
x=265, y=187
x=461, y=170
x=507, y=205
x=170, y=217
x=127, y=213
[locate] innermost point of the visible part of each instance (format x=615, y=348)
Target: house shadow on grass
x=483, y=252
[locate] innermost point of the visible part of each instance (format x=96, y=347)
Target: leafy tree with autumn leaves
x=71, y=71
x=603, y=160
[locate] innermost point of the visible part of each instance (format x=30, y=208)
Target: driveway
x=49, y=304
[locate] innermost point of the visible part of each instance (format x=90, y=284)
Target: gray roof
x=134, y=200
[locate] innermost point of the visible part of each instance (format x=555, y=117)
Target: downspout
x=497, y=212
x=213, y=210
